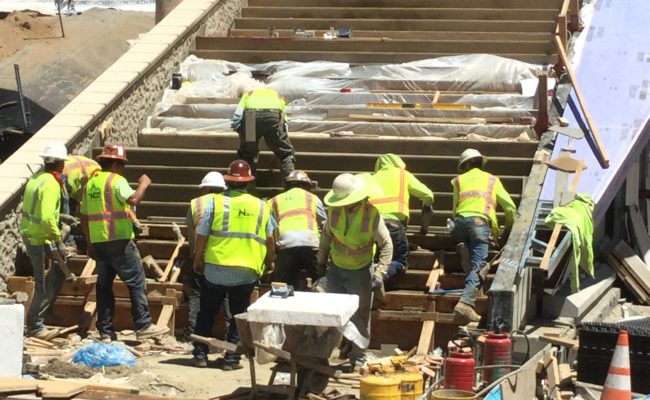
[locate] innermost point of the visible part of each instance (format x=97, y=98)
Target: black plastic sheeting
x=597, y=343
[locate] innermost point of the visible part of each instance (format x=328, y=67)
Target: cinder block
x=11, y=345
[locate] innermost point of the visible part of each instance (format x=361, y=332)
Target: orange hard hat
x=298, y=176
x=114, y=151
x=239, y=171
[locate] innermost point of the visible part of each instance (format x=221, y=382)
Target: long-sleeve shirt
x=382, y=239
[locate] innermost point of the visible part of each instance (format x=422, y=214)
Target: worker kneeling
x=299, y=215
x=346, y=250
x=234, y=242
x=475, y=196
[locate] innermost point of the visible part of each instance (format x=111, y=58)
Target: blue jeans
x=212, y=296
x=121, y=258
x=475, y=233
x=194, y=303
x=47, y=286
x=400, y=248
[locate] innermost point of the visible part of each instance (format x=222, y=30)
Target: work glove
x=60, y=247
x=377, y=280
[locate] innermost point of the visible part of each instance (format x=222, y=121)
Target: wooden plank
x=560, y=341
x=396, y=118
x=10, y=386
x=624, y=275
x=640, y=233
x=635, y=266
x=433, y=279
x=601, y=154
x=427, y=333
x=60, y=389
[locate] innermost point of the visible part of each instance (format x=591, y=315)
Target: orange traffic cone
x=617, y=384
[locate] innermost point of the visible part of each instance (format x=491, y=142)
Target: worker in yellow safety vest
x=211, y=185
x=353, y=228
x=234, y=244
x=108, y=228
x=476, y=194
x=39, y=227
x=270, y=123
x=76, y=171
x=300, y=215
x=396, y=184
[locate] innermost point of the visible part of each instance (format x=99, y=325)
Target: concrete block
x=132, y=57
x=74, y=120
x=175, y=30
x=185, y=14
x=19, y=170
x=160, y=38
x=565, y=304
x=102, y=93
x=305, y=308
x=176, y=21
x=77, y=107
x=149, y=48
x=189, y=6
x=131, y=66
x=604, y=306
x=111, y=77
x=11, y=345
x=60, y=133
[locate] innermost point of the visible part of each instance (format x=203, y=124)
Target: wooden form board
x=640, y=233
x=427, y=334
x=635, y=271
x=60, y=389
x=17, y=385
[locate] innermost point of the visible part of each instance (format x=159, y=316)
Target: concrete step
x=546, y=4
x=375, y=45
x=313, y=161
x=360, y=145
x=444, y=25
x=263, y=56
x=409, y=35
x=405, y=13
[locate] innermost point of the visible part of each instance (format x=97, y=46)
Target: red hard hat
x=114, y=151
x=239, y=171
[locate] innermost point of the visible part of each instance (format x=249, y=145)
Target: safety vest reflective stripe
x=240, y=235
x=340, y=246
x=401, y=205
x=486, y=195
x=489, y=202
x=307, y=211
x=197, y=209
x=365, y=218
x=109, y=216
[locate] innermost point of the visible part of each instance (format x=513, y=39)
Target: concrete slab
x=158, y=38
x=130, y=57
x=100, y=94
x=77, y=107
x=75, y=120
x=61, y=133
x=11, y=345
x=113, y=76
x=149, y=48
x=130, y=66
x=305, y=308
x=188, y=15
x=604, y=307
x=19, y=170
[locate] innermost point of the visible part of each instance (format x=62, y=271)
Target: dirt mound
x=18, y=26
x=63, y=369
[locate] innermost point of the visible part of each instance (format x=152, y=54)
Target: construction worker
x=300, y=215
x=476, y=194
x=39, y=227
x=109, y=231
x=353, y=228
x=270, y=123
x=397, y=184
x=211, y=185
x=234, y=243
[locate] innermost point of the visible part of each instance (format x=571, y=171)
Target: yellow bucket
x=380, y=387
x=452, y=394
x=411, y=386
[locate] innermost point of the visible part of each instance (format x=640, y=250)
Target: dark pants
x=121, y=258
x=212, y=296
x=399, y=262
x=196, y=286
x=269, y=126
x=475, y=233
x=289, y=262
x=47, y=285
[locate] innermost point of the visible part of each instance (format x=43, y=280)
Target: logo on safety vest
x=243, y=213
x=93, y=192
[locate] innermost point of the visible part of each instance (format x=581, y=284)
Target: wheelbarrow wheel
x=311, y=381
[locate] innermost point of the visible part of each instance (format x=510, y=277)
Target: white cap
x=54, y=151
x=470, y=154
x=213, y=179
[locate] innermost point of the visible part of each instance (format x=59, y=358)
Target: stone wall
x=113, y=108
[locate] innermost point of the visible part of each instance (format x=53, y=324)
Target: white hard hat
x=470, y=154
x=346, y=189
x=213, y=179
x=54, y=151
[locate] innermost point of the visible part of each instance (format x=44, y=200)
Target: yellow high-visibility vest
x=238, y=232
x=77, y=171
x=295, y=210
x=41, y=204
x=262, y=98
x=394, y=185
x=476, y=195
x=353, y=241
x=197, y=207
x=108, y=216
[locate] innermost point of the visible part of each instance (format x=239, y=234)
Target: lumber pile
x=631, y=270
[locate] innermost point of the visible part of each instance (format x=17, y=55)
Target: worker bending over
x=300, y=215
x=349, y=236
x=109, y=231
x=270, y=123
x=39, y=227
x=397, y=184
x=211, y=185
x=234, y=242
x=475, y=196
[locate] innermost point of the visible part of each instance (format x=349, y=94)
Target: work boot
x=200, y=361
x=466, y=312
x=463, y=252
x=107, y=338
x=151, y=331
x=231, y=365
x=43, y=334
